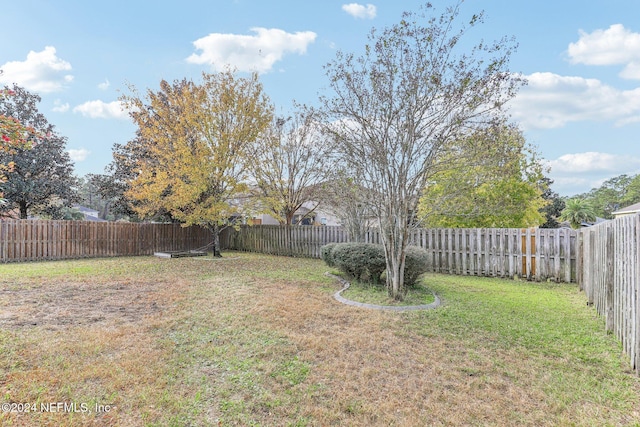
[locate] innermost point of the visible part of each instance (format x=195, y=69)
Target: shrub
x=415, y=263
x=362, y=261
x=326, y=254
x=366, y=262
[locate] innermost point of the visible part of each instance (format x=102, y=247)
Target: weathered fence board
x=35, y=240
x=609, y=274
x=534, y=254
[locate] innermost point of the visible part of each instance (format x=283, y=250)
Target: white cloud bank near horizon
x=552, y=101
x=574, y=172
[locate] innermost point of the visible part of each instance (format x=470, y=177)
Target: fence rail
x=535, y=254
x=35, y=240
x=609, y=274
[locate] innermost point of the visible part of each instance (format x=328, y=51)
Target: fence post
x=636, y=362
x=579, y=259
x=609, y=278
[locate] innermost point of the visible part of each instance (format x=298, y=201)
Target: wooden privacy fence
x=33, y=240
x=535, y=254
x=609, y=274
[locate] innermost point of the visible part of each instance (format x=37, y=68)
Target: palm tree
x=577, y=211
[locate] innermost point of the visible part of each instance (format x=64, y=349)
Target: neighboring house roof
x=12, y=214
x=89, y=214
x=85, y=210
x=598, y=221
x=628, y=210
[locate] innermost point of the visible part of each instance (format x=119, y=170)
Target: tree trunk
x=289, y=218
x=288, y=238
x=216, y=241
x=394, y=242
x=23, y=210
x=105, y=211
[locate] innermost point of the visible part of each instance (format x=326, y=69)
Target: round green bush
x=362, y=261
x=325, y=254
x=416, y=262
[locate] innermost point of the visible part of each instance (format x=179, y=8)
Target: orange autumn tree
x=196, y=139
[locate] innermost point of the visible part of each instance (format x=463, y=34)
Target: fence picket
x=35, y=240
x=608, y=271
x=533, y=254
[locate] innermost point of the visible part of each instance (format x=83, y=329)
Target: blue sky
x=581, y=107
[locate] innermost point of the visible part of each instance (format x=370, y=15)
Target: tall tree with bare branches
x=289, y=162
x=396, y=108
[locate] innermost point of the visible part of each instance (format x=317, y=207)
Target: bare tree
x=345, y=198
x=288, y=164
x=396, y=108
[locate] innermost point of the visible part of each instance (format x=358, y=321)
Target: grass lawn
x=259, y=340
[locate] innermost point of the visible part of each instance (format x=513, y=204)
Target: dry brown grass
x=258, y=340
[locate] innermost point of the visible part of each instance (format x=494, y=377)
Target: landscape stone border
x=343, y=300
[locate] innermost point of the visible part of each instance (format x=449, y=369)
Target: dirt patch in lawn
x=75, y=304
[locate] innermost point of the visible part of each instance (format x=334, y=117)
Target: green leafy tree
x=631, y=193
x=40, y=179
x=493, y=178
x=197, y=138
x=113, y=185
x=553, y=207
x=89, y=195
x=578, y=211
x=417, y=88
x=12, y=135
x=609, y=196
x=615, y=193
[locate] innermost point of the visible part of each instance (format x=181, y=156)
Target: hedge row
x=365, y=262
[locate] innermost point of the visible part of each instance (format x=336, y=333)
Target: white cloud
x=580, y=172
x=591, y=161
x=360, y=11
x=41, y=72
x=613, y=46
x=552, y=101
x=258, y=52
x=79, y=155
x=59, y=107
x=104, y=85
x=631, y=71
x=103, y=110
